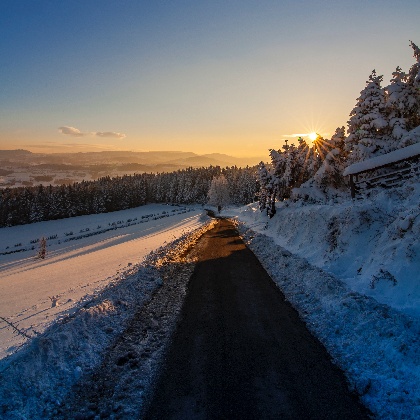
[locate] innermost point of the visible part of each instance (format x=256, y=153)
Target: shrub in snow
x=54, y=301
x=42, y=252
x=382, y=275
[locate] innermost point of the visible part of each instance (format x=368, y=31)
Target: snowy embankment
x=372, y=244
x=352, y=270
x=99, y=282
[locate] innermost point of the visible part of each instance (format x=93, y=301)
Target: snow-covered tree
x=219, y=192
x=414, y=73
x=304, y=161
x=368, y=124
x=267, y=194
x=398, y=104
x=291, y=169
x=330, y=174
x=276, y=179
x=403, y=105
x=413, y=83
x=338, y=139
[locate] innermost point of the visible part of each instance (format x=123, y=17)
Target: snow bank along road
x=241, y=351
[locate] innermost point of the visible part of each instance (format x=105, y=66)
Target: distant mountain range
x=23, y=168
x=167, y=160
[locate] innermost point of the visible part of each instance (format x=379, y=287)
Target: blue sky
x=234, y=77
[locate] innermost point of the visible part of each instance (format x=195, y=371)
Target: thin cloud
x=296, y=135
x=70, y=131
x=111, y=134
x=75, y=132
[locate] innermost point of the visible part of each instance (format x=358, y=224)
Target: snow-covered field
x=84, y=254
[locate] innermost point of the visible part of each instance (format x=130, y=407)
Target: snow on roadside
x=372, y=244
x=34, y=381
x=376, y=346
x=352, y=270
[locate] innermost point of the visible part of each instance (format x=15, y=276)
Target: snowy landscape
x=71, y=305
x=335, y=222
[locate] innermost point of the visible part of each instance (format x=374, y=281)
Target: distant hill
x=24, y=168
x=172, y=159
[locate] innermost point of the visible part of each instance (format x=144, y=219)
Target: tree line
x=24, y=205
x=381, y=121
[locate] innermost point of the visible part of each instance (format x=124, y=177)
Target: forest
x=34, y=204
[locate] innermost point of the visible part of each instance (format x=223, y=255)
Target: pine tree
x=303, y=162
x=330, y=174
x=338, y=139
x=398, y=104
x=291, y=170
x=278, y=162
x=414, y=73
x=413, y=83
x=368, y=125
x=267, y=192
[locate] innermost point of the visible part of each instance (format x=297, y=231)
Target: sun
x=312, y=136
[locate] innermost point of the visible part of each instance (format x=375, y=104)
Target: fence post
x=352, y=187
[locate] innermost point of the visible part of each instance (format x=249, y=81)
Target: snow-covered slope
x=84, y=254
x=372, y=244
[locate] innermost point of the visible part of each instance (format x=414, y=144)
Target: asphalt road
x=241, y=351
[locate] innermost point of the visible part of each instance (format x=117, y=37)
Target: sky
x=234, y=77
